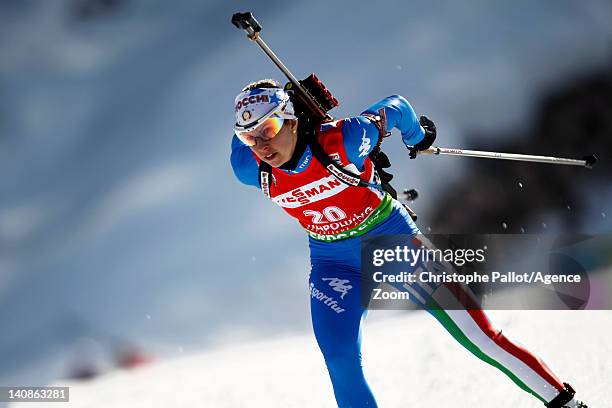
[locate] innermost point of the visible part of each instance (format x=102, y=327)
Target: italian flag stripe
x=461, y=325
x=454, y=330
x=521, y=353
x=469, y=325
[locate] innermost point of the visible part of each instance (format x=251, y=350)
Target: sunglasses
x=265, y=131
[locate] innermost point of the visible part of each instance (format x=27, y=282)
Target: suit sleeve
x=244, y=164
x=401, y=116
x=361, y=135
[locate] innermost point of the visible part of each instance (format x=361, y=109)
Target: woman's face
x=278, y=150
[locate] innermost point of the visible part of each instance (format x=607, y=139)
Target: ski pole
x=587, y=161
x=249, y=24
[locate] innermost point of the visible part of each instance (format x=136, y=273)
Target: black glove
x=430, y=136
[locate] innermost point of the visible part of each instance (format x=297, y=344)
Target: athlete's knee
x=491, y=332
x=486, y=327
x=342, y=363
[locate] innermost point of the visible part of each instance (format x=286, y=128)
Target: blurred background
x=124, y=236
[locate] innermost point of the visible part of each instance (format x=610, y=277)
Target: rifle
x=312, y=100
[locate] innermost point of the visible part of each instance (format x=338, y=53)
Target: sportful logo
x=326, y=300
x=339, y=285
x=311, y=192
x=364, y=148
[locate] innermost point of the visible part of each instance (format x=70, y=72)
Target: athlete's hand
x=430, y=136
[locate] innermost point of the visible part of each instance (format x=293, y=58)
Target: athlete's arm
x=400, y=115
x=361, y=135
x=244, y=164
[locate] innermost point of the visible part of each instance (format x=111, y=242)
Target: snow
x=409, y=361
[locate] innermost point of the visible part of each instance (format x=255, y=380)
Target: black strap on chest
x=379, y=159
x=265, y=177
x=345, y=176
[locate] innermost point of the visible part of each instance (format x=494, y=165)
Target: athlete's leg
x=336, y=318
x=473, y=329
x=455, y=307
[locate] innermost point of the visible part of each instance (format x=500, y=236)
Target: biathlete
x=294, y=172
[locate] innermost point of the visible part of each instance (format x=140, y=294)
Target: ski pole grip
x=247, y=22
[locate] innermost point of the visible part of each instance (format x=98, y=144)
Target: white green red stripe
x=473, y=330
x=470, y=326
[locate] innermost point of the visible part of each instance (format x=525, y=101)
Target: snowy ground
x=410, y=361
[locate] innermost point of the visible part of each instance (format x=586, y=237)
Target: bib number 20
x=329, y=214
